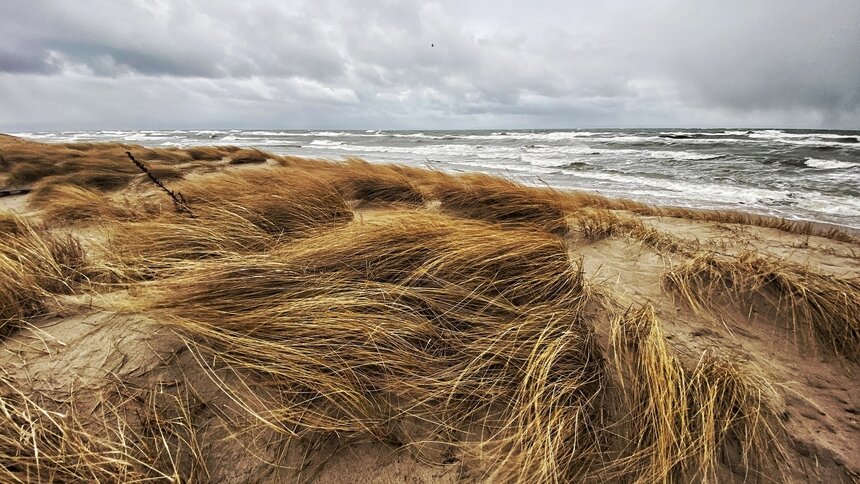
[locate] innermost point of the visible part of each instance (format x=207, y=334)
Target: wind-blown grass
x=497, y=200
x=679, y=423
x=816, y=303
x=466, y=326
x=34, y=265
x=282, y=202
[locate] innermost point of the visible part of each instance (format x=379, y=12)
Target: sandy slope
x=97, y=356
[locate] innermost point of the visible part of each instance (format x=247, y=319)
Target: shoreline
x=769, y=172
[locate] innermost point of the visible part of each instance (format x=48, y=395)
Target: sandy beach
x=269, y=318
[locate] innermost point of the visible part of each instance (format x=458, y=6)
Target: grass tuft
x=500, y=201
x=817, y=304
x=34, y=266
x=688, y=423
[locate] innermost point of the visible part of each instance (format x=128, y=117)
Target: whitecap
x=827, y=164
x=326, y=143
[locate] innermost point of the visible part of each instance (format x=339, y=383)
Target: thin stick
x=178, y=200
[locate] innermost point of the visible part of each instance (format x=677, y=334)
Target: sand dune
x=319, y=321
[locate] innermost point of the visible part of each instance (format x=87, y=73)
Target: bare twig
x=178, y=200
x=9, y=193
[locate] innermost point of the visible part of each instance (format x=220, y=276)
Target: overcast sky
x=153, y=64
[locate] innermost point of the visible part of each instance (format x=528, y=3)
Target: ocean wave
x=827, y=164
x=45, y=136
x=807, y=139
x=530, y=136
x=839, y=206
x=526, y=169
x=268, y=133
x=681, y=155
x=325, y=143
x=547, y=162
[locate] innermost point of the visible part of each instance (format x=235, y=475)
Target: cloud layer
x=406, y=64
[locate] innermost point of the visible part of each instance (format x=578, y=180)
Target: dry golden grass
x=369, y=183
x=735, y=217
x=462, y=331
x=480, y=333
x=42, y=445
x=140, y=250
x=497, y=200
x=34, y=265
x=599, y=223
x=144, y=435
x=210, y=153
x=420, y=248
x=11, y=224
x=578, y=200
x=815, y=303
x=459, y=325
x=98, y=166
x=282, y=202
x=70, y=203
x=678, y=424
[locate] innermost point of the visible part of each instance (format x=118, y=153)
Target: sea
x=795, y=174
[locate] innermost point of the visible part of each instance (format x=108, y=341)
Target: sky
x=448, y=64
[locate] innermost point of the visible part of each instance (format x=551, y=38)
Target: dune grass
x=467, y=329
x=137, y=435
x=480, y=333
x=678, y=423
x=11, y=224
x=34, y=266
x=70, y=204
x=501, y=201
x=373, y=183
x=420, y=248
x=815, y=303
x=444, y=326
x=246, y=214
x=282, y=202
x=599, y=223
x=42, y=445
x=95, y=166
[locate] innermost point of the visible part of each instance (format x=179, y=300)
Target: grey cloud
x=15, y=61
x=370, y=64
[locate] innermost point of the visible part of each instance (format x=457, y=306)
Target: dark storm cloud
x=154, y=63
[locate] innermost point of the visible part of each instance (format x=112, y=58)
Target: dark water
x=810, y=175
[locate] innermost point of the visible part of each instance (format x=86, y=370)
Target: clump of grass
x=11, y=224
x=249, y=156
x=280, y=201
x=682, y=424
x=450, y=322
x=415, y=248
x=142, y=249
x=210, y=153
x=20, y=297
x=818, y=303
x=599, y=223
x=34, y=265
x=578, y=200
x=735, y=217
x=368, y=183
x=497, y=200
x=149, y=434
x=99, y=166
x=69, y=203
x=463, y=326
x=42, y=445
